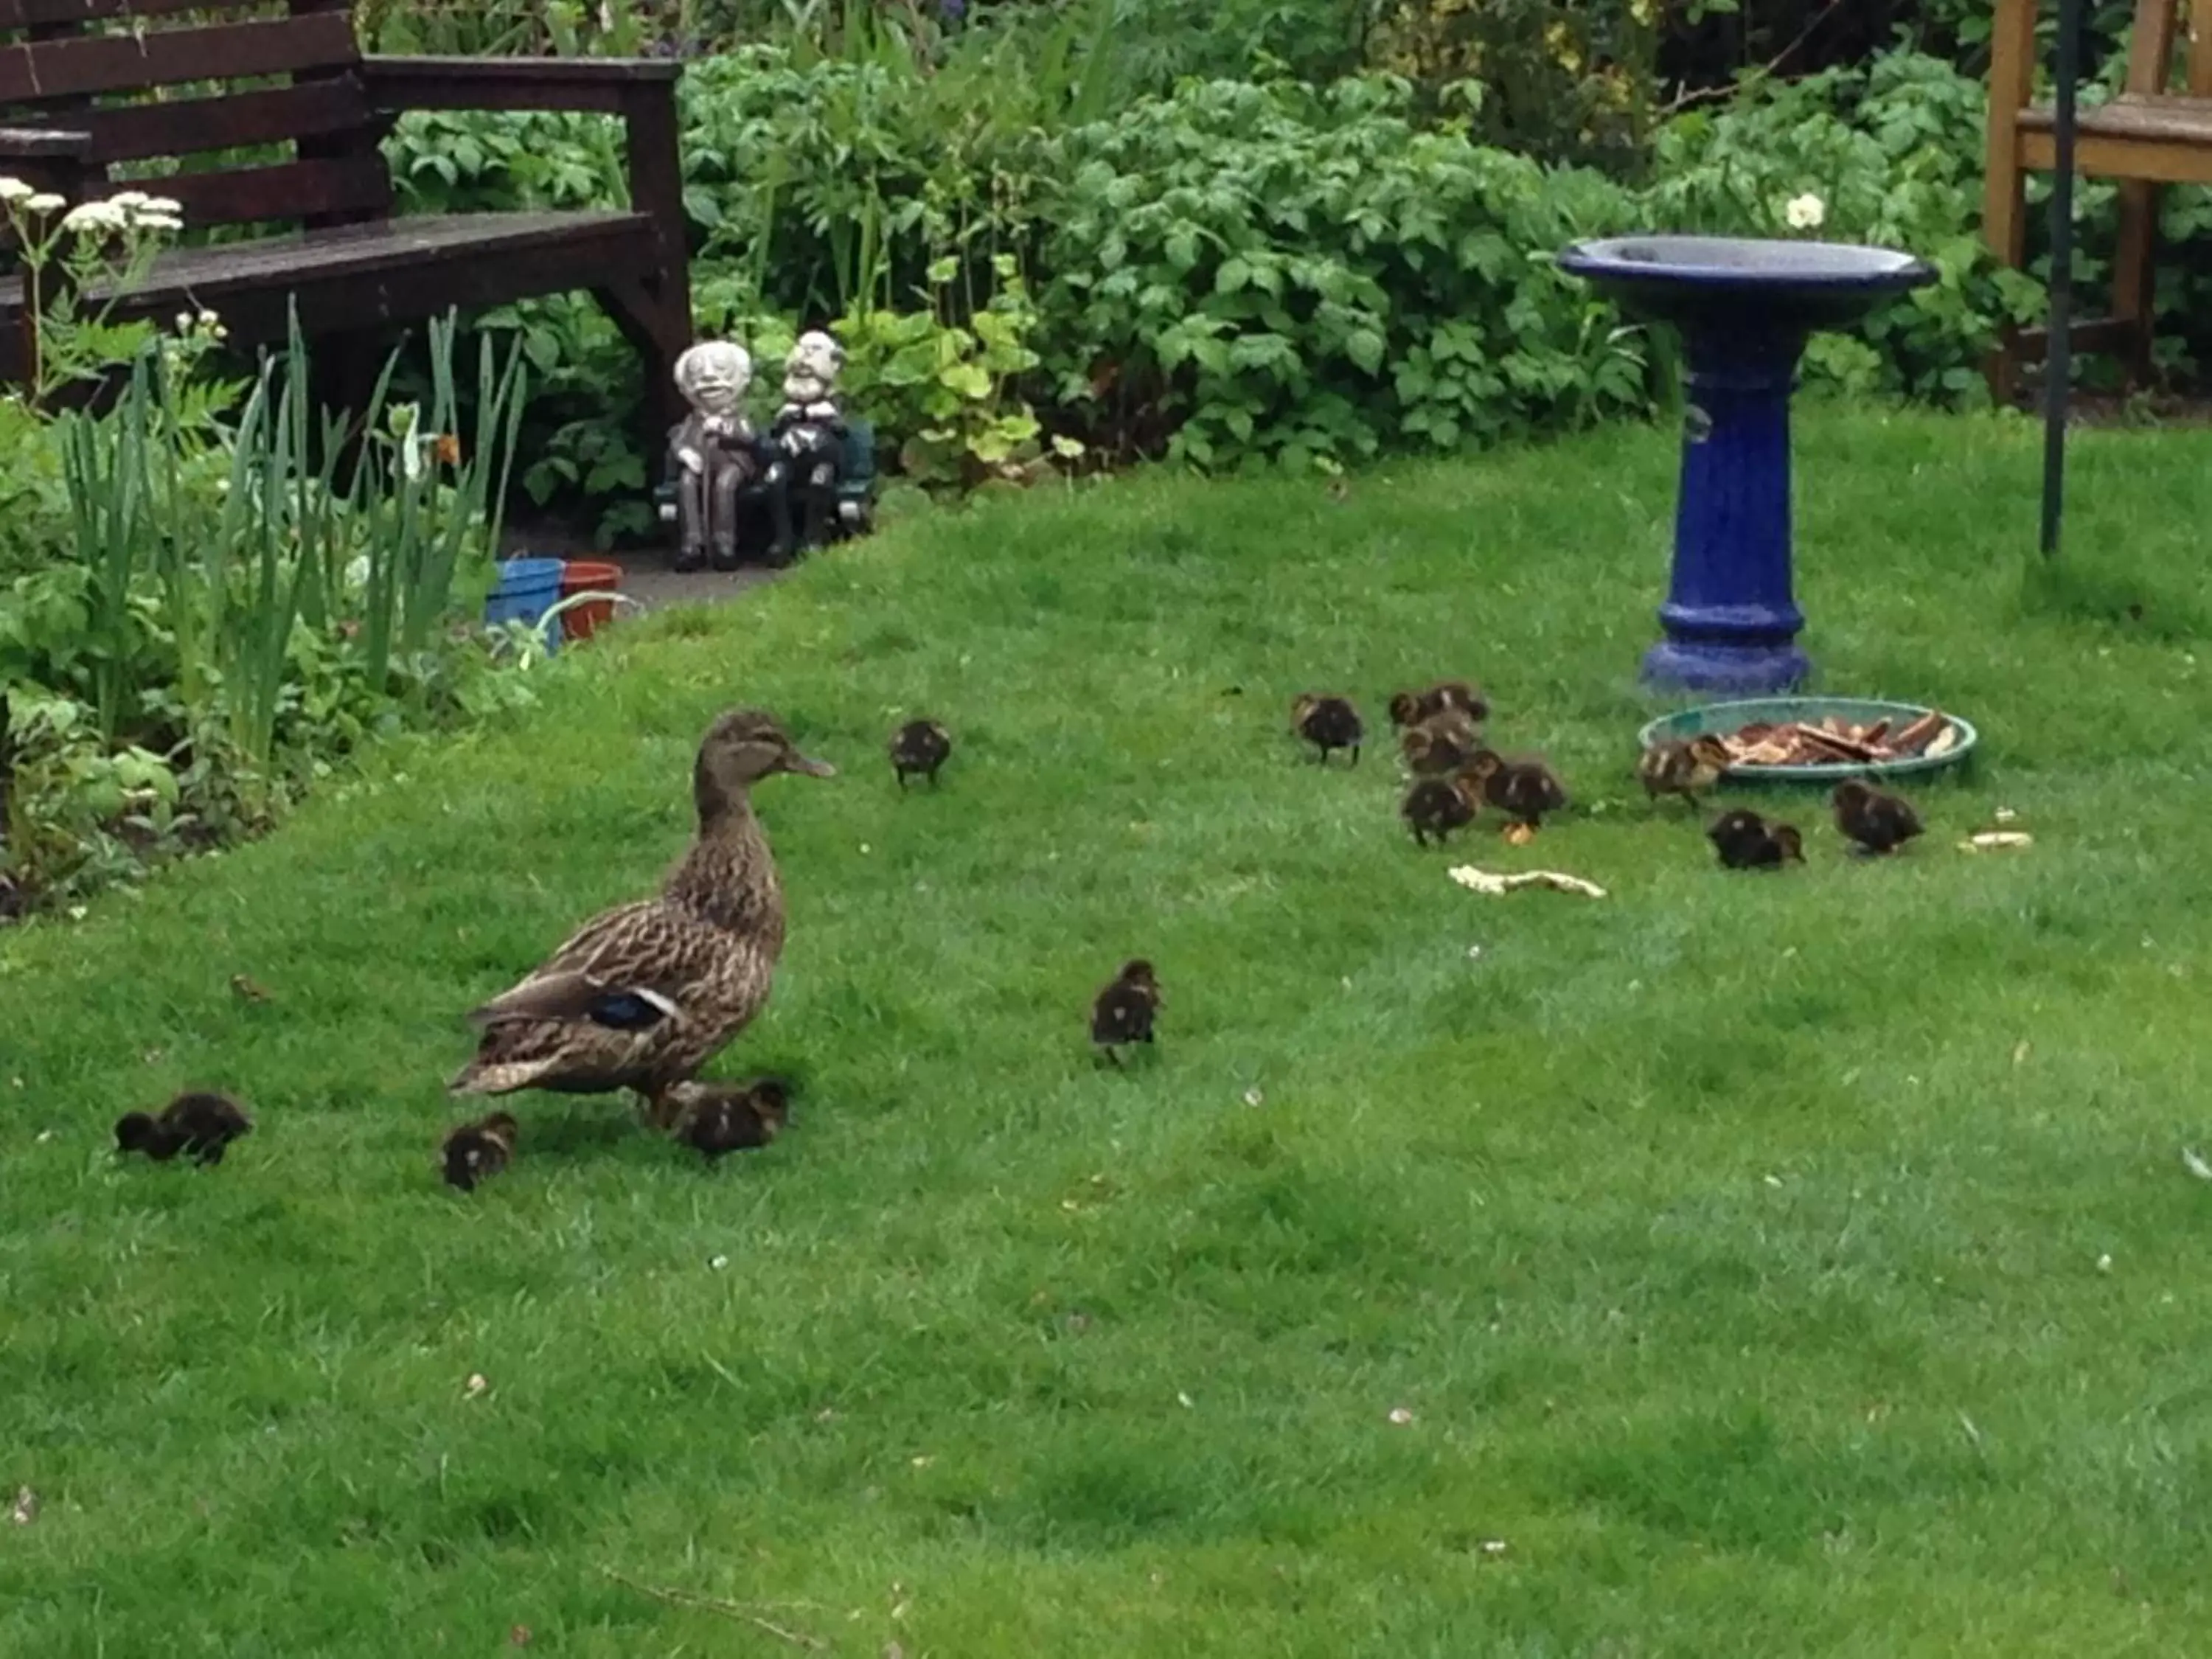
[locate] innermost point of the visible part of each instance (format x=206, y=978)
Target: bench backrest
x=194, y=83
x=2151, y=54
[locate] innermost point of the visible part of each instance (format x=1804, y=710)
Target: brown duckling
x=1123, y=1013
x=1524, y=790
x=477, y=1151
x=1442, y=744
x=723, y=1118
x=1746, y=841
x=1876, y=821
x=1436, y=806
x=1329, y=723
x=199, y=1124
x=1682, y=768
x=920, y=746
x=1446, y=696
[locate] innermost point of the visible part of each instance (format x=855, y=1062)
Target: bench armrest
x=606, y=86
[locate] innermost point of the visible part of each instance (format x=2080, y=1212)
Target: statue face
x=816, y=357
x=712, y=376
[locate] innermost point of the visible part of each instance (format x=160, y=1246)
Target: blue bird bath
x=1744, y=309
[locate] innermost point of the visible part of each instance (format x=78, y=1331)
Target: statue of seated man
x=809, y=434
x=729, y=495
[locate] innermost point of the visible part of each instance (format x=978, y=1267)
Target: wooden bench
x=271, y=117
x=2150, y=135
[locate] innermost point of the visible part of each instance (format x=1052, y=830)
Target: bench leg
x=658, y=326
x=2004, y=228
x=2135, y=277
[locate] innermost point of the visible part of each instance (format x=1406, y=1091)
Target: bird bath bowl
x=1719, y=718
x=1744, y=308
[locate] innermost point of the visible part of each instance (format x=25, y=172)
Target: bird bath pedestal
x=1744, y=309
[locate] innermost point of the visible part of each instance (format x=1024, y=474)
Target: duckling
x=1123, y=1012
x=1446, y=696
x=1682, y=769
x=1436, y=806
x=1524, y=790
x=1440, y=744
x=477, y=1151
x=1877, y=821
x=199, y=1124
x=643, y=995
x=1328, y=722
x=723, y=1118
x=1746, y=841
x=920, y=746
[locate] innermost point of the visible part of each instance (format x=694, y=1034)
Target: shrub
x=1248, y=271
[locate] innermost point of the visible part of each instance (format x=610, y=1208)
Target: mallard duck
x=477, y=1151
x=1877, y=821
x=1682, y=768
x=1436, y=806
x=1441, y=744
x=721, y=1118
x=200, y=1124
x=1446, y=696
x=1123, y=1013
x=1328, y=723
x=1524, y=790
x=920, y=747
x=641, y=996
x=1746, y=841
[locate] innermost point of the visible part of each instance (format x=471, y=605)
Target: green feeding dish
x=1722, y=718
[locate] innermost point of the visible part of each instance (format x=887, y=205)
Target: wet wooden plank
x=282, y=190
x=37, y=71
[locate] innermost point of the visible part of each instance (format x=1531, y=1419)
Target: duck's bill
x=810, y=766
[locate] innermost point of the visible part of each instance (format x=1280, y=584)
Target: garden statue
x=810, y=433
x=727, y=483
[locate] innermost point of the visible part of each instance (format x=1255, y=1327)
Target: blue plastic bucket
x=527, y=589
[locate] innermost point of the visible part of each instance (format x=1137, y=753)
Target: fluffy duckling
x=200, y=1125
x=1446, y=696
x=477, y=1151
x=920, y=746
x=1524, y=790
x=1123, y=1013
x=1877, y=821
x=1682, y=768
x=1442, y=744
x=1328, y=723
x=1746, y=841
x=722, y=1118
x=1436, y=806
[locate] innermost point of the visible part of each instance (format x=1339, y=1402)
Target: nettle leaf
x=1365, y=347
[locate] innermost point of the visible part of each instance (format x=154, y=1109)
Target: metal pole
x=2058, y=361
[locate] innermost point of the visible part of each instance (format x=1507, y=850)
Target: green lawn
x=1771, y=1265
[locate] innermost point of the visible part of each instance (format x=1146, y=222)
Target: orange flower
x=447, y=449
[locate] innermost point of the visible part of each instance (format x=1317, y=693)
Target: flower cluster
x=125, y=211
x=16, y=195
x=202, y=323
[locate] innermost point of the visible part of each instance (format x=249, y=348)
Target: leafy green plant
x=1265, y=272
x=246, y=590
x=946, y=386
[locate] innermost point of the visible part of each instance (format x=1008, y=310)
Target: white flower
x=127, y=199
x=167, y=205
x=183, y=322
x=1806, y=212
x=45, y=201
x=157, y=221
x=92, y=215
x=208, y=318
x=12, y=190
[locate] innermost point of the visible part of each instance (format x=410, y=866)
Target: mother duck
x=641, y=996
